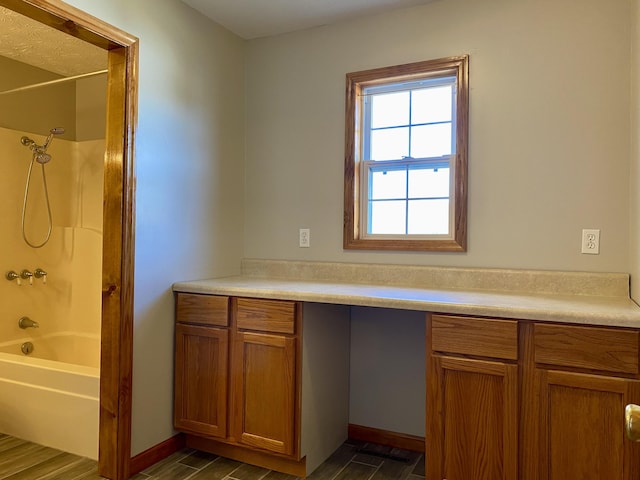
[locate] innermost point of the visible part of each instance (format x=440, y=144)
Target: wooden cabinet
x=201, y=380
x=265, y=381
x=527, y=400
x=202, y=353
x=238, y=379
x=585, y=376
x=472, y=403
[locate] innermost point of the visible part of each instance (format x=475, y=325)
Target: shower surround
x=68, y=305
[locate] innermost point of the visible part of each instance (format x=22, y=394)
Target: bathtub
x=52, y=402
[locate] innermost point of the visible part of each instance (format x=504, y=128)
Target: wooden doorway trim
x=118, y=221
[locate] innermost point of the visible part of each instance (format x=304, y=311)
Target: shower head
x=42, y=157
x=52, y=132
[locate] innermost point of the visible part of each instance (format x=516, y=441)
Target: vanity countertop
x=568, y=297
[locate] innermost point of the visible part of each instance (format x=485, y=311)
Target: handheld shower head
x=52, y=132
x=42, y=157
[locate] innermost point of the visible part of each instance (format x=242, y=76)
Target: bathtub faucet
x=26, y=322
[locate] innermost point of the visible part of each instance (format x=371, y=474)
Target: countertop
x=567, y=297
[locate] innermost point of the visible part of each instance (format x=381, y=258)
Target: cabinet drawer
x=265, y=315
x=592, y=348
x=202, y=309
x=475, y=336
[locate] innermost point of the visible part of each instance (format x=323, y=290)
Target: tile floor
x=20, y=460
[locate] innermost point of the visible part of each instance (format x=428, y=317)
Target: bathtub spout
x=26, y=322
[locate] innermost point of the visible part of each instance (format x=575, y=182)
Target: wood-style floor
x=20, y=460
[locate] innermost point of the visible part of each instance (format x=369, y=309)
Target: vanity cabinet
x=202, y=352
x=265, y=377
x=472, y=399
x=585, y=377
x=528, y=400
x=239, y=388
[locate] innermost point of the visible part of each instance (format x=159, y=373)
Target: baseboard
x=156, y=453
x=385, y=437
x=270, y=461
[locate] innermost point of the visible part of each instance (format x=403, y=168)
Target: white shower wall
x=71, y=298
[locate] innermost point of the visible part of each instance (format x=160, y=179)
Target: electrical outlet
x=591, y=241
x=305, y=238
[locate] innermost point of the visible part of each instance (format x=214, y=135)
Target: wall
x=549, y=153
x=549, y=130
x=189, y=169
x=634, y=177
x=91, y=97
x=37, y=110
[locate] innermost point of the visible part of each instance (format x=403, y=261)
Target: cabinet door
x=264, y=391
x=582, y=427
x=201, y=380
x=472, y=424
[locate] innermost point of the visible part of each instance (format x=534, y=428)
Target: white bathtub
x=49, y=402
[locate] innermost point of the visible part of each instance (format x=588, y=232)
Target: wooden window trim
x=352, y=237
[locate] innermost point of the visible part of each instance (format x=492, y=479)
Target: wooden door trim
x=118, y=221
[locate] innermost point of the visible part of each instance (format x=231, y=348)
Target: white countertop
x=608, y=310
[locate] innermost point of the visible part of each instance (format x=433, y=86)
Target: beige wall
x=549, y=129
x=634, y=177
x=189, y=169
x=37, y=110
x=91, y=99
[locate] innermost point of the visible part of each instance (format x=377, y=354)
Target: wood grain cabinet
x=472, y=400
x=202, y=339
x=585, y=376
x=239, y=386
x=527, y=400
x=265, y=379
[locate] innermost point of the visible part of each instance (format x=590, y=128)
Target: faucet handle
x=26, y=274
x=40, y=273
x=11, y=275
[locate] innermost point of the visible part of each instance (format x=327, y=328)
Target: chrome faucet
x=27, y=275
x=40, y=273
x=26, y=322
x=13, y=276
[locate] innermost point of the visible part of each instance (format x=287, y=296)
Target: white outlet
x=305, y=238
x=591, y=241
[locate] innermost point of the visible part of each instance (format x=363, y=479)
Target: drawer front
x=481, y=337
x=202, y=309
x=266, y=315
x=592, y=348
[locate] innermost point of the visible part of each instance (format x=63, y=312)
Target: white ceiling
x=31, y=42
x=261, y=18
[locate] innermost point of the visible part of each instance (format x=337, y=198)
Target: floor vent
x=389, y=456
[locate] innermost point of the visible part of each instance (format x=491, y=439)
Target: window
x=406, y=157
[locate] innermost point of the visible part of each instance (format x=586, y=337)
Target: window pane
x=431, y=140
x=431, y=105
x=428, y=217
x=387, y=217
x=391, y=109
x=388, y=184
x=428, y=182
x=391, y=144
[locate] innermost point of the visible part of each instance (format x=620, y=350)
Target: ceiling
x=35, y=44
x=261, y=18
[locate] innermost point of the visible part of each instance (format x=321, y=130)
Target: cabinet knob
x=632, y=422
